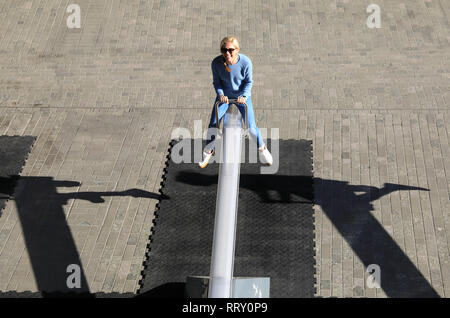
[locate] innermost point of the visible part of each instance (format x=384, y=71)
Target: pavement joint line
x=149, y=109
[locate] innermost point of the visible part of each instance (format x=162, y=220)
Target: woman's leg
x=264, y=155
x=252, y=127
x=212, y=124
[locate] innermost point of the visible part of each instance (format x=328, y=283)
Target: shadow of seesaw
x=48, y=239
x=349, y=209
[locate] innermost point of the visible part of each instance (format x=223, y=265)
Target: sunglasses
x=224, y=50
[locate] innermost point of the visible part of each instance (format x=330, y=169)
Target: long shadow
x=49, y=241
x=349, y=209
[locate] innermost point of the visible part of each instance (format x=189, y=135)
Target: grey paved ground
x=103, y=100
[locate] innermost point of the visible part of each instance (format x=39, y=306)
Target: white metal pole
x=222, y=260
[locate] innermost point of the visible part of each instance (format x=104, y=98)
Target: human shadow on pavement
x=349, y=208
x=48, y=238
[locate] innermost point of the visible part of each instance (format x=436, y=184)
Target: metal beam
x=222, y=259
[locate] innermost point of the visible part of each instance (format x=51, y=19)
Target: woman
x=232, y=79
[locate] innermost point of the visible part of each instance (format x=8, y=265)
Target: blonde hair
x=231, y=39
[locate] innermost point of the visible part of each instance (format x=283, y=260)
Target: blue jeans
x=253, y=129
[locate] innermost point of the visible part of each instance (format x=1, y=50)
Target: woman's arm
x=216, y=80
x=248, y=80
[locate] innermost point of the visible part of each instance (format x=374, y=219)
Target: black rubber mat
x=275, y=227
x=13, y=153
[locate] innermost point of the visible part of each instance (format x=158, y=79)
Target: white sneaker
x=265, y=157
x=206, y=157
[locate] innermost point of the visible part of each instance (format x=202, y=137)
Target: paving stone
x=102, y=101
